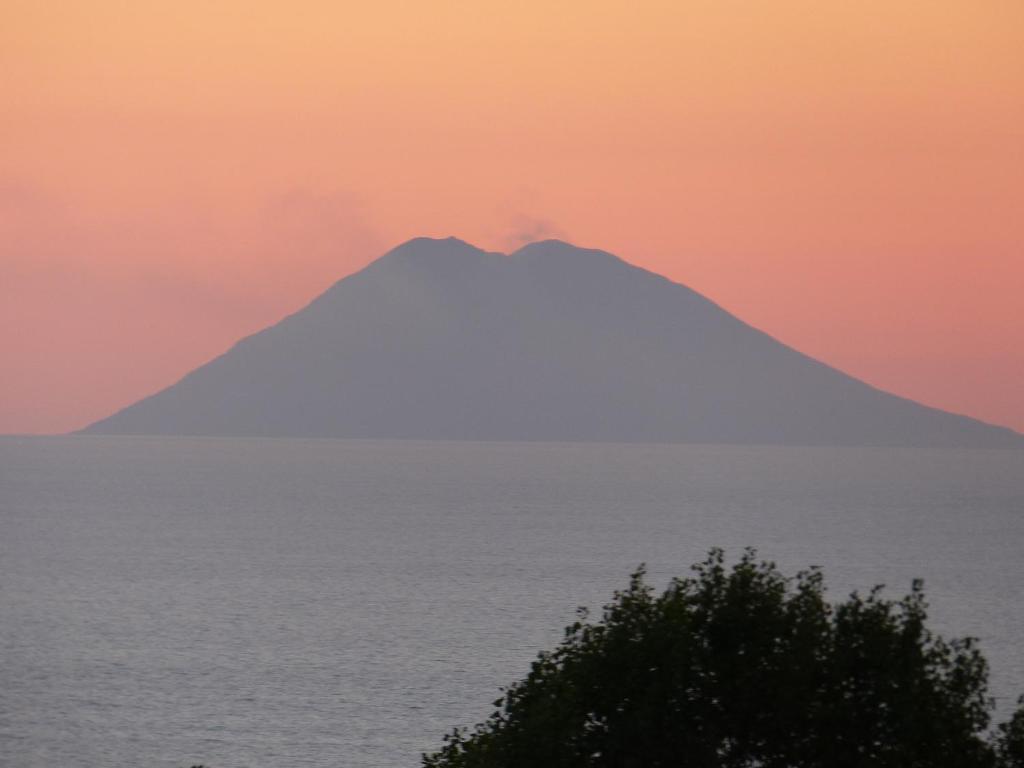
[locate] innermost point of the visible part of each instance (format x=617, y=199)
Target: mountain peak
x=431, y=246
x=439, y=339
x=560, y=249
x=449, y=247
x=429, y=256
x=552, y=246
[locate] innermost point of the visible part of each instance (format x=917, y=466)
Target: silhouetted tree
x=743, y=667
x=1010, y=741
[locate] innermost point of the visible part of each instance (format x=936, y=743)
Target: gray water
x=169, y=601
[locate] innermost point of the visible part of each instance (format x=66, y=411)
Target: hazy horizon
x=399, y=247
x=440, y=340
x=846, y=178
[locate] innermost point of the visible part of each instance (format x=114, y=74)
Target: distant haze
x=440, y=340
x=847, y=176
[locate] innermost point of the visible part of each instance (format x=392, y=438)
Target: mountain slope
x=440, y=340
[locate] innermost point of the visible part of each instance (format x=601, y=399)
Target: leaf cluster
x=743, y=667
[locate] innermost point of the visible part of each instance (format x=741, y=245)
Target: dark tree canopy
x=744, y=667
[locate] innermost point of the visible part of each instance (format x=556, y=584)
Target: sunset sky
x=847, y=176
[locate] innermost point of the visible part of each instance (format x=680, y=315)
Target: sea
x=166, y=602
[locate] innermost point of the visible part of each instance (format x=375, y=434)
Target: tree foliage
x=743, y=667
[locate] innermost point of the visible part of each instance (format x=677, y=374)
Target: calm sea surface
x=165, y=602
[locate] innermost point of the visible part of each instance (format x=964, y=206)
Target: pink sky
x=847, y=177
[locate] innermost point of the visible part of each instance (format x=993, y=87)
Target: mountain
x=440, y=340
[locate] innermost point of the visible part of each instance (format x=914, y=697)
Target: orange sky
x=848, y=176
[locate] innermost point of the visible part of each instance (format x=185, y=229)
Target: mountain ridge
x=438, y=339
